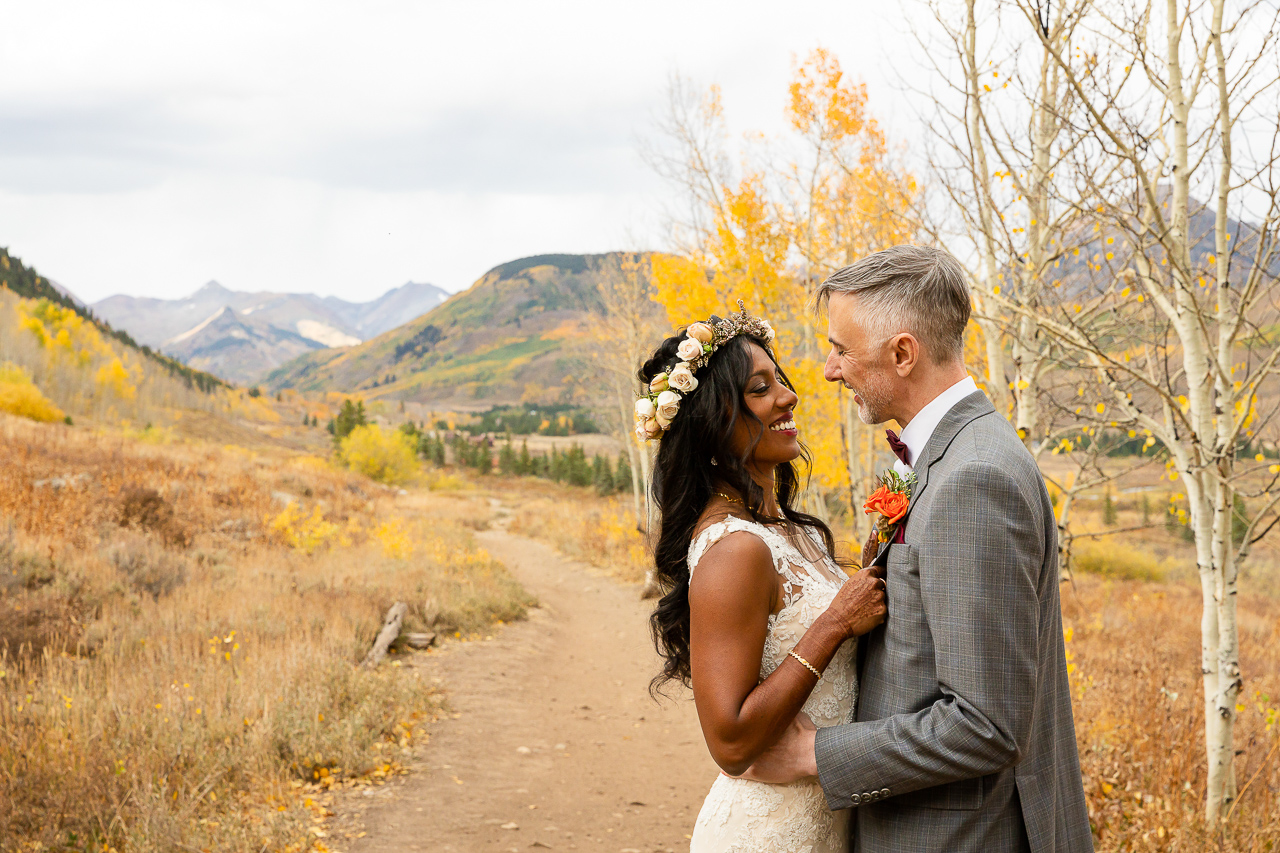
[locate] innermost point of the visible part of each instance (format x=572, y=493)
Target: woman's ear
x=904, y=349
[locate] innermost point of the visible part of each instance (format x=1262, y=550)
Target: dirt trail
x=557, y=744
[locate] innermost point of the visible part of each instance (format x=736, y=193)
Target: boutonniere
x=891, y=501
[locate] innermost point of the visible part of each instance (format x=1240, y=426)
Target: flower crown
x=660, y=402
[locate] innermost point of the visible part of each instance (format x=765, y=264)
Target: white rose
x=641, y=433
x=769, y=334
x=682, y=379
x=668, y=405
x=690, y=348
x=645, y=408
x=658, y=383
x=701, y=332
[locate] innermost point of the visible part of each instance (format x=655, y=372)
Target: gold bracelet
x=805, y=663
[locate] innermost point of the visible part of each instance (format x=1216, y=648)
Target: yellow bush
x=394, y=538
x=302, y=532
x=384, y=455
x=20, y=396
x=1116, y=561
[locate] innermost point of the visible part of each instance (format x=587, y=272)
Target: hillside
x=508, y=337
x=239, y=335
x=25, y=282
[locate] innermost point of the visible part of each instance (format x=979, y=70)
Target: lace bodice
x=808, y=586
x=753, y=817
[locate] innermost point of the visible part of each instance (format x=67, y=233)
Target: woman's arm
x=730, y=598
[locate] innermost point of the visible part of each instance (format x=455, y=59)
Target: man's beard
x=875, y=398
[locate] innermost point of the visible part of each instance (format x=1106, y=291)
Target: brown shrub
x=28, y=627
x=147, y=567
x=144, y=508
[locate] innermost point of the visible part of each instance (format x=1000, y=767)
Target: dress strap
x=713, y=533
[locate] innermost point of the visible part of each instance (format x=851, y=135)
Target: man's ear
x=904, y=349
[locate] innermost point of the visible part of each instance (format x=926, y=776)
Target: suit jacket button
x=884, y=792
x=857, y=799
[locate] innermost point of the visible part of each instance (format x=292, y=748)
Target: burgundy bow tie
x=897, y=446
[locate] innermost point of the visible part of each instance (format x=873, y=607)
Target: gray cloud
x=133, y=145
x=72, y=147
x=489, y=151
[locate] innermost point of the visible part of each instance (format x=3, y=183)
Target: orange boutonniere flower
x=891, y=501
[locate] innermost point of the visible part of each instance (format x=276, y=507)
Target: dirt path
x=557, y=744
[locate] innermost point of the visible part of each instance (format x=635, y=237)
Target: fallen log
x=390, y=630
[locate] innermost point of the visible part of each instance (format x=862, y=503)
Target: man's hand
x=790, y=759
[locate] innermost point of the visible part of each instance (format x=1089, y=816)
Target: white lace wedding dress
x=753, y=817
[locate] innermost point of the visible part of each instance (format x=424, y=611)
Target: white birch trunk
x=991, y=335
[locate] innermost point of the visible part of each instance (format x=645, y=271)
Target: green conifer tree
x=603, y=476
x=1109, y=514
x=622, y=474
x=508, y=462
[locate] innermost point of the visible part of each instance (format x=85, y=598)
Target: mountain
x=393, y=308
x=239, y=335
x=508, y=337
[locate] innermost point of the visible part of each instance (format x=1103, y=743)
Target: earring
x=713, y=461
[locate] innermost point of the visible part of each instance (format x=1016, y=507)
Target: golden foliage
x=387, y=456
x=20, y=396
x=84, y=372
x=770, y=241
x=305, y=533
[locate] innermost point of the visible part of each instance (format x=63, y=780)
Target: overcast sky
x=345, y=148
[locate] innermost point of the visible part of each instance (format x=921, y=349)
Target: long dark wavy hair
x=684, y=481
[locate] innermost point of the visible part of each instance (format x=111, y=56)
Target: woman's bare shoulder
x=739, y=558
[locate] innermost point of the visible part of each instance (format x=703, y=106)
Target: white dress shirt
x=916, y=434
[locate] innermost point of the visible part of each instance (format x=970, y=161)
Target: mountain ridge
x=268, y=328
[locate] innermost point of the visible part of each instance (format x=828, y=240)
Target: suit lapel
x=961, y=415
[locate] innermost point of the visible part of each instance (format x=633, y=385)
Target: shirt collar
x=916, y=434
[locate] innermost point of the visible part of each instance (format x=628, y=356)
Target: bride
x=750, y=582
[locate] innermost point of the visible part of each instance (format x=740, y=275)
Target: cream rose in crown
x=682, y=379
x=689, y=349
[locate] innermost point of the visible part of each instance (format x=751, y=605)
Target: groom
x=964, y=739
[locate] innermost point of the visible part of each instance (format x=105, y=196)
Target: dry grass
x=177, y=662
x=1134, y=651
x=598, y=531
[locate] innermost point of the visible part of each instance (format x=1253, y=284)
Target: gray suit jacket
x=964, y=739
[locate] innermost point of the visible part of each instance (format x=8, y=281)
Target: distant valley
x=241, y=336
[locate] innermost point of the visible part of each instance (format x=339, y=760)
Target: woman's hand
x=860, y=604
x=871, y=548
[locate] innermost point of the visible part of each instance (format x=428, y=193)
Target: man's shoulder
x=989, y=443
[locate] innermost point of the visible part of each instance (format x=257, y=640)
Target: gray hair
x=909, y=288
